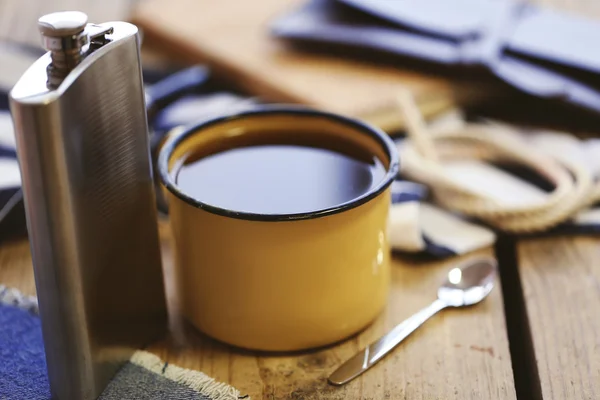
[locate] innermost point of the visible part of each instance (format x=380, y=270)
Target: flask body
x=91, y=214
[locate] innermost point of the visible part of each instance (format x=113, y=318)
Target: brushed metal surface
x=91, y=214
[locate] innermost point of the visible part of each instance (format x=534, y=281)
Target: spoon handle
x=365, y=359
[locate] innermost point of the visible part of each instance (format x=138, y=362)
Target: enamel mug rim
x=373, y=132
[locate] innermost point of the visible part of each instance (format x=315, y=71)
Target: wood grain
x=16, y=269
x=588, y=8
x=561, y=285
x=459, y=354
x=233, y=38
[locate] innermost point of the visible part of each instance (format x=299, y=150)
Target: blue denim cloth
x=23, y=367
x=22, y=362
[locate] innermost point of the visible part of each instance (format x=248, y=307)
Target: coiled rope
x=425, y=149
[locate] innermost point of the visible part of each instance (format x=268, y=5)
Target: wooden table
x=548, y=306
x=561, y=291
x=536, y=337
x=456, y=355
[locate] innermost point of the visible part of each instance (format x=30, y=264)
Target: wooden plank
x=233, y=38
x=588, y=8
x=561, y=286
x=459, y=354
x=15, y=61
x=16, y=269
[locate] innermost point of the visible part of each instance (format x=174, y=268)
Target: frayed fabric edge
x=13, y=297
x=195, y=380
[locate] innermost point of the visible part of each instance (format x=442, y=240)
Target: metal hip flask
x=83, y=149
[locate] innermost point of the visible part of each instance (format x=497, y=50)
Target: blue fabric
x=23, y=367
x=404, y=191
x=22, y=360
x=436, y=250
x=8, y=152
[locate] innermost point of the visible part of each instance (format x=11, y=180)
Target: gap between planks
x=520, y=341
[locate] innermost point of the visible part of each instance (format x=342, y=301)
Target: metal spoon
x=464, y=286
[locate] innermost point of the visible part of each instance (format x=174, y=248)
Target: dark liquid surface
x=278, y=179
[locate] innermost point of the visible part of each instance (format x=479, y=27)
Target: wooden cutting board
x=232, y=37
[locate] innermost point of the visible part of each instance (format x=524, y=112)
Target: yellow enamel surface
x=287, y=285
x=282, y=285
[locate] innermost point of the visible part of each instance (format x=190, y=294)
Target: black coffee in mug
x=279, y=178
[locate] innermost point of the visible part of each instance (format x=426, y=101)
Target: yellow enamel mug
x=280, y=282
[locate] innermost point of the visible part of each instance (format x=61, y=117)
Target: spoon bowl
x=470, y=284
